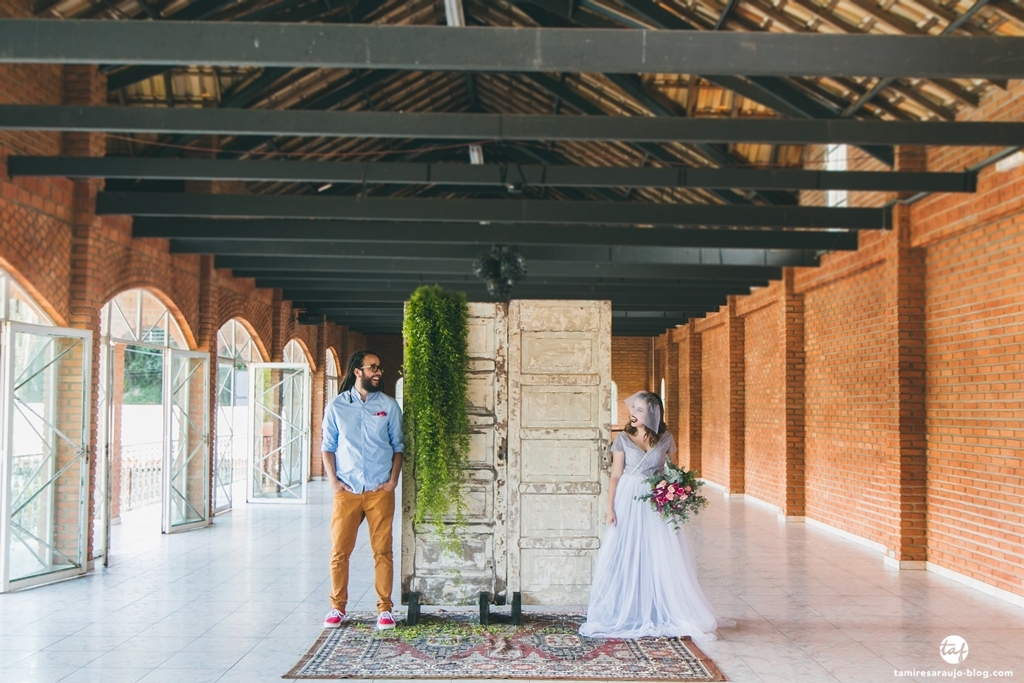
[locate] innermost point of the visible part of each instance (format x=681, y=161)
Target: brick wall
x=389, y=349
x=666, y=373
x=880, y=393
x=722, y=412
x=847, y=403
x=632, y=371
x=72, y=261
x=764, y=398
x=689, y=416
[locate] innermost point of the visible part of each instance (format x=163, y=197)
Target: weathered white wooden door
x=559, y=410
x=482, y=566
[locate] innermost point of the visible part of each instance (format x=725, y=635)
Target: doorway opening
x=279, y=446
x=154, y=402
x=236, y=350
x=44, y=440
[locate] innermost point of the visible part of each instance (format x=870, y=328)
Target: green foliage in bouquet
x=674, y=494
x=436, y=333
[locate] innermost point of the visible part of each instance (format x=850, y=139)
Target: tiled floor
x=243, y=600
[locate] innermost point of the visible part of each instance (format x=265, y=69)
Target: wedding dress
x=645, y=579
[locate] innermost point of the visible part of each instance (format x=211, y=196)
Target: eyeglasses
x=373, y=368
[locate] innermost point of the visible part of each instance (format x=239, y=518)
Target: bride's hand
x=611, y=518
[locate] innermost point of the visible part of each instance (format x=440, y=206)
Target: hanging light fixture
x=501, y=268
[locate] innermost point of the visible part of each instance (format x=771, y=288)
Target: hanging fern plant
x=437, y=427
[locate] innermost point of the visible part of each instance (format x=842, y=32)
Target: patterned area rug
x=453, y=645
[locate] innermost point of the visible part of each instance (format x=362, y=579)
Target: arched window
x=662, y=391
x=235, y=350
x=235, y=343
x=294, y=353
x=156, y=415
x=17, y=306
x=615, y=404
x=138, y=317
x=331, y=376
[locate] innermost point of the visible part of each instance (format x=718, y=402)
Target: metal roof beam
x=274, y=278
x=444, y=48
x=509, y=127
x=295, y=231
x=536, y=284
x=540, y=269
x=510, y=176
x=486, y=210
x=468, y=252
x=314, y=298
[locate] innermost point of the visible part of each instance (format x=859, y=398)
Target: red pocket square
x=380, y=414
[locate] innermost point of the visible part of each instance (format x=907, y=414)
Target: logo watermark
x=953, y=649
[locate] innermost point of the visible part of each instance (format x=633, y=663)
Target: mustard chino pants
x=349, y=511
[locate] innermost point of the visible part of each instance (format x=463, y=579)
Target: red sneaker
x=333, y=618
x=385, y=621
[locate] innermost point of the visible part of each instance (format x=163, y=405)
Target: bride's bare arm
x=618, y=466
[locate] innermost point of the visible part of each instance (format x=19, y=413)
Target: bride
x=645, y=580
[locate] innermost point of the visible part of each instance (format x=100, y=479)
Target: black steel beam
x=394, y=310
x=486, y=210
x=567, y=269
x=269, y=231
x=507, y=127
x=513, y=177
x=715, y=153
x=777, y=93
x=598, y=290
x=467, y=253
x=345, y=280
x=437, y=48
x=649, y=298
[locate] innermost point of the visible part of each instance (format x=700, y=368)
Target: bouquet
x=674, y=494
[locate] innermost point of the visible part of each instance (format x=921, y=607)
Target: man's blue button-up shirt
x=363, y=437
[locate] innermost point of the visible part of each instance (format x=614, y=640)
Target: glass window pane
x=188, y=443
x=47, y=459
x=293, y=352
x=280, y=433
x=21, y=308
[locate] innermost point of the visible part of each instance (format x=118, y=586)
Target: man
x=362, y=453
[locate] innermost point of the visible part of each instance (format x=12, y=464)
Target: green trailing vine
x=436, y=333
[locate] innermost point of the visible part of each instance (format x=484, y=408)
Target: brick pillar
x=910, y=159
x=793, y=354
x=906, y=449
x=737, y=391
x=206, y=340
x=689, y=370
x=318, y=398
x=84, y=85
x=279, y=327
x=667, y=368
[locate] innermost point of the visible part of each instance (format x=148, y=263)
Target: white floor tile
x=244, y=599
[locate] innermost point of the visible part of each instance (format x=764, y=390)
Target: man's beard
x=366, y=384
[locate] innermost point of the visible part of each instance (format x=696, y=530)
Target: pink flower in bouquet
x=670, y=496
x=661, y=484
